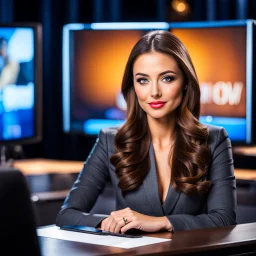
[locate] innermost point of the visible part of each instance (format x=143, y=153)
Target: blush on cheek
x=140, y=93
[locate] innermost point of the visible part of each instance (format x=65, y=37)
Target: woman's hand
x=116, y=222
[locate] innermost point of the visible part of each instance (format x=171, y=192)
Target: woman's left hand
x=115, y=222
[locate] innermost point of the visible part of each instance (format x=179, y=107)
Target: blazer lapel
x=170, y=201
x=151, y=185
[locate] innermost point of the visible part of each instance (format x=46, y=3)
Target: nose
x=155, y=92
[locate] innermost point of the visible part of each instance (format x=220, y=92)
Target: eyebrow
x=162, y=73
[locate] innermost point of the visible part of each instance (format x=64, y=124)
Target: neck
x=162, y=131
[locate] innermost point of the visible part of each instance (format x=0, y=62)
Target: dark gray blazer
x=216, y=208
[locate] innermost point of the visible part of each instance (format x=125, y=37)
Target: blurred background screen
x=219, y=54
x=95, y=62
x=18, y=116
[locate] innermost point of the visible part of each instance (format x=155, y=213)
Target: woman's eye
x=142, y=80
x=168, y=79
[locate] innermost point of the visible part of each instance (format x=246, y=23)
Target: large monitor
x=94, y=57
x=20, y=83
x=222, y=53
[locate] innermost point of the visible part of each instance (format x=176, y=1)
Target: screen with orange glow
x=100, y=64
x=219, y=57
x=94, y=63
x=97, y=65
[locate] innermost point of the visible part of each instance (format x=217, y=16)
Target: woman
x=169, y=171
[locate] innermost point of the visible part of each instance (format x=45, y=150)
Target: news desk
x=231, y=240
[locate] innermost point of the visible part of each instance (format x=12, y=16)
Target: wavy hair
x=190, y=156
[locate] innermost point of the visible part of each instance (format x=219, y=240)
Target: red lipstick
x=157, y=104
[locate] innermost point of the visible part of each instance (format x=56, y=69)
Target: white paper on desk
x=121, y=242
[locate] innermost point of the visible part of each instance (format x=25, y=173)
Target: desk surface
x=41, y=166
x=245, y=150
x=227, y=240
x=47, y=166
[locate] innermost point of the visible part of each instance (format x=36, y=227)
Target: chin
x=158, y=116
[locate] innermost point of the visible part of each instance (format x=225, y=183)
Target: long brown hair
x=190, y=152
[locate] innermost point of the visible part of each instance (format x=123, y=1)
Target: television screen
x=20, y=83
x=222, y=56
x=94, y=58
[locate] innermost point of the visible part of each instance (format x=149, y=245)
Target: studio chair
x=18, y=225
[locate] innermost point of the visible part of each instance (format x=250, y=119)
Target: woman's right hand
x=125, y=219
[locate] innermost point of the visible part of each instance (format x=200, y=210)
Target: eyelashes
x=166, y=79
x=141, y=80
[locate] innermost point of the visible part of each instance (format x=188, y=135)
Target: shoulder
x=217, y=136
x=109, y=132
x=107, y=136
x=216, y=131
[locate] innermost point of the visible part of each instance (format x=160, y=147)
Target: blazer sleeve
x=87, y=187
x=221, y=199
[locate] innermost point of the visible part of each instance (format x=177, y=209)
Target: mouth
x=157, y=104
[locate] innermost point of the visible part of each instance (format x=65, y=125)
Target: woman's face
x=158, y=83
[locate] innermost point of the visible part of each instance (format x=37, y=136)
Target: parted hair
x=190, y=155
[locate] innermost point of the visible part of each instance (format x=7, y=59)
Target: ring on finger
x=125, y=220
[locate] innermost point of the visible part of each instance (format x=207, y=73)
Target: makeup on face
x=157, y=104
x=158, y=83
